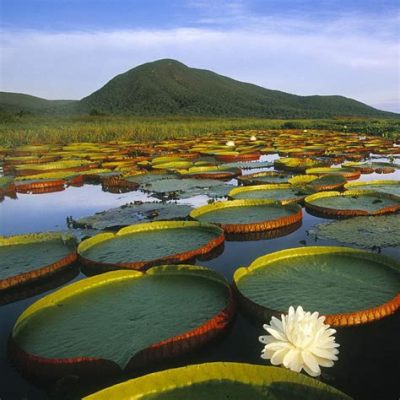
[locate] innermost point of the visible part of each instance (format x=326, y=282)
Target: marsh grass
x=18, y=130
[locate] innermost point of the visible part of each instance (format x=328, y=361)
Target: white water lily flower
x=230, y=143
x=253, y=138
x=300, y=340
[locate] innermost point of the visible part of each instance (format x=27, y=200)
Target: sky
x=66, y=49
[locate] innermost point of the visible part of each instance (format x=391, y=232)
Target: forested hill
x=168, y=87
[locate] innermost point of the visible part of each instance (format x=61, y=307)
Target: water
x=369, y=355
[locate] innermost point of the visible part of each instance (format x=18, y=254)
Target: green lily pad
x=284, y=193
x=375, y=165
x=221, y=380
x=382, y=231
x=185, y=188
x=244, y=216
x=248, y=165
x=384, y=186
x=28, y=257
x=322, y=279
x=152, y=242
x=297, y=164
x=348, y=173
x=327, y=182
x=133, y=213
x=352, y=203
x=144, y=179
x=5, y=183
x=265, y=177
x=161, y=313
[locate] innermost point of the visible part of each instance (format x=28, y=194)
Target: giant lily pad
x=322, y=279
x=142, y=245
x=211, y=172
x=7, y=186
x=327, y=182
x=318, y=183
x=384, y=186
x=243, y=216
x=376, y=231
x=147, y=178
x=297, y=164
x=249, y=165
x=367, y=167
x=40, y=186
x=352, y=203
x=285, y=193
x=27, y=258
x=173, y=165
x=221, y=380
x=185, y=188
x=263, y=178
x=348, y=173
x=162, y=313
x=133, y=213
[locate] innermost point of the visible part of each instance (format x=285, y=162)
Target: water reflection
x=370, y=348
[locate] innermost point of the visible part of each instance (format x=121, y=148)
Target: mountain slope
x=19, y=102
x=168, y=87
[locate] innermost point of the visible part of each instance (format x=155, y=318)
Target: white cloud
x=329, y=59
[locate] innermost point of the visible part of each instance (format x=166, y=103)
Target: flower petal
x=277, y=334
x=278, y=356
x=311, y=362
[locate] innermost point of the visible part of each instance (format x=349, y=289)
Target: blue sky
x=69, y=48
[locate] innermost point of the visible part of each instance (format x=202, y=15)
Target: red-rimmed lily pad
x=323, y=279
x=284, y=193
x=221, y=380
x=33, y=257
x=244, y=216
x=352, y=203
x=211, y=172
x=40, y=186
x=153, y=243
x=264, y=178
x=163, y=313
x=384, y=186
x=372, y=166
x=319, y=183
x=297, y=164
x=348, y=173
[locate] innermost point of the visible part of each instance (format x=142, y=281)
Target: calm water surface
x=369, y=358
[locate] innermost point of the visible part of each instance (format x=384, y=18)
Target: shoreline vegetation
x=21, y=129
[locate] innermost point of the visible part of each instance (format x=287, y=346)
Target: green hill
x=168, y=87
x=25, y=103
